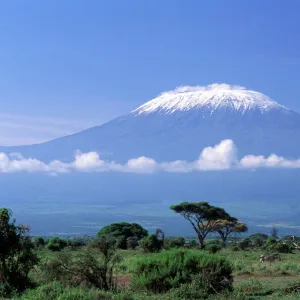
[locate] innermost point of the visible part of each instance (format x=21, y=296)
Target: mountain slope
x=178, y=124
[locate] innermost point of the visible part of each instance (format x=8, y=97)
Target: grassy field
x=252, y=279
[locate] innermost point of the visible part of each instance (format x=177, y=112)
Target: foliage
x=56, y=244
x=277, y=246
x=39, y=242
x=93, y=267
x=151, y=243
x=202, y=216
x=226, y=227
x=17, y=256
x=245, y=244
x=122, y=231
x=192, y=244
x=132, y=242
x=55, y=290
x=163, y=271
x=76, y=242
x=177, y=242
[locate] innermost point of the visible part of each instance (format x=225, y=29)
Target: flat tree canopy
x=202, y=216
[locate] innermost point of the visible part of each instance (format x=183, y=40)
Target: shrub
x=177, y=242
x=163, y=271
x=282, y=248
x=151, y=243
x=245, y=244
x=56, y=244
x=92, y=267
x=132, y=242
x=192, y=244
x=17, y=255
x=275, y=246
x=234, y=248
x=213, y=248
x=39, y=242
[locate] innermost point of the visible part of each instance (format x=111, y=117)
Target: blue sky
x=67, y=65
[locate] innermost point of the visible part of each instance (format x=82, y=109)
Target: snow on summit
x=209, y=97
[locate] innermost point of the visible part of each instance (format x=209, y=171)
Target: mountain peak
x=209, y=98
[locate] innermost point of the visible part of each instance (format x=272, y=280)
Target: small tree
x=122, y=231
x=17, y=257
x=202, y=216
x=226, y=227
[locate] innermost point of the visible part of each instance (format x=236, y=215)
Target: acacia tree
x=226, y=227
x=202, y=216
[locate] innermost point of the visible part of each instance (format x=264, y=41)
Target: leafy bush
x=91, y=267
x=17, y=255
x=234, y=248
x=245, y=244
x=193, y=244
x=213, y=248
x=122, y=231
x=282, y=248
x=163, y=271
x=177, y=242
x=151, y=243
x=56, y=244
x=132, y=242
x=39, y=242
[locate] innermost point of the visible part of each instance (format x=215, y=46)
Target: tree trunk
x=201, y=241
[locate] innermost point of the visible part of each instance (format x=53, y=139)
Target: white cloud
x=272, y=161
x=222, y=156
x=210, y=87
x=142, y=165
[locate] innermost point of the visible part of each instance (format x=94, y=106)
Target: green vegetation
x=127, y=235
x=150, y=267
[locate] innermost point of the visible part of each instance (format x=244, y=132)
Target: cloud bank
x=210, y=87
x=222, y=156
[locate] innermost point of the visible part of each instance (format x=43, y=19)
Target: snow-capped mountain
x=175, y=125
x=178, y=124
x=209, y=100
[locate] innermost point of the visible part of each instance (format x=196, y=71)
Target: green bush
x=282, y=248
x=170, y=269
x=94, y=266
x=177, y=242
x=56, y=244
x=151, y=243
x=275, y=246
x=17, y=255
x=245, y=244
x=193, y=244
x=213, y=248
x=234, y=248
x=39, y=242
